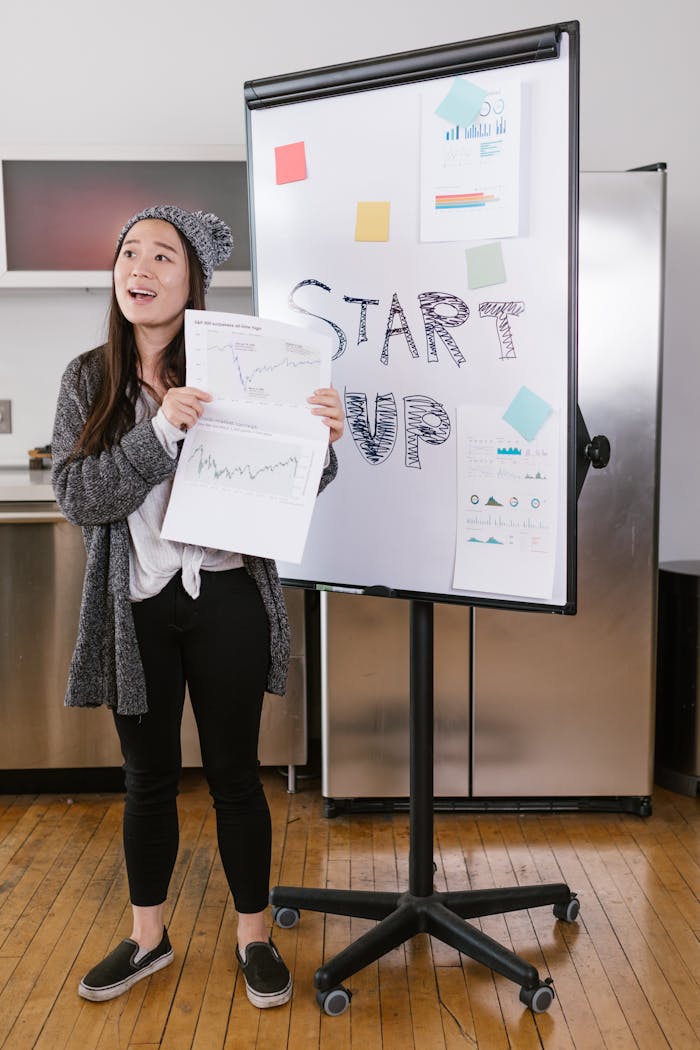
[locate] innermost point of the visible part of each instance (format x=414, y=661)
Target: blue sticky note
x=527, y=412
x=462, y=103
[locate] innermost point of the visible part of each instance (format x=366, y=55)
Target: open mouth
x=141, y=294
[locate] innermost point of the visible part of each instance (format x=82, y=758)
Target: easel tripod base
x=442, y=915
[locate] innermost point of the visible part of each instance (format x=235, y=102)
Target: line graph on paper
x=240, y=369
x=248, y=464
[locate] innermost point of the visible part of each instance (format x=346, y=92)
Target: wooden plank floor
x=626, y=975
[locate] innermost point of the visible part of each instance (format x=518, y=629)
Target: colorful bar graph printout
x=463, y=200
x=485, y=265
x=527, y=413
x=372, y=222
x=290, y=163
x=462, y=103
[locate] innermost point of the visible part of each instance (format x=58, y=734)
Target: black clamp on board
x=590, y=451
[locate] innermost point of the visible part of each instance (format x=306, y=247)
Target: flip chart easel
x=277, y=247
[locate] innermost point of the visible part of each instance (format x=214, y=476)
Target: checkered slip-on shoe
x=267, y=979
x=122, y=968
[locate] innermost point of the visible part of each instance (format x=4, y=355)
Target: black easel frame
x=420, y=909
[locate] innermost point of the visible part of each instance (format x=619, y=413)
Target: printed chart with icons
x=510, y=495
x=506, y=486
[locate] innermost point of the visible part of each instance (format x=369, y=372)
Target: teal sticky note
x=462, y=103
x=485, y=265
x=527, y=412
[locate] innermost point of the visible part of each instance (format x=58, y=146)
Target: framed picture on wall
x=61, y=210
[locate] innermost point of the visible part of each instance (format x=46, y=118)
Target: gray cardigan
x=98, y=492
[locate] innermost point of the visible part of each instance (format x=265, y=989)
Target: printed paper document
x=248, y=472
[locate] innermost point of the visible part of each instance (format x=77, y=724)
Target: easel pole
x=420, y=864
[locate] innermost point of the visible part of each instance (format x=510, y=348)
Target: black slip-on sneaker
x=267, y=979
x=122, y=968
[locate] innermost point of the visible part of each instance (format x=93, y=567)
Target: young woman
x=157, y=615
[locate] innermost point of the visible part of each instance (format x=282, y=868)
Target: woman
x=156, y=614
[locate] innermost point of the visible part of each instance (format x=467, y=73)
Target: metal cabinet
x=550, y=706
x=42, y=560
x=365, y=683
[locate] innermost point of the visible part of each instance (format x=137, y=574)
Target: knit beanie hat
x=209, y=235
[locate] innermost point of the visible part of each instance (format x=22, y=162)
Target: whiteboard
x=457, y=310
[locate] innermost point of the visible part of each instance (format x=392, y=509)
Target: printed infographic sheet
x=507, y=517
x=470, y=162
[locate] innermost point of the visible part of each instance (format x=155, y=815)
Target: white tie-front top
x=154, y=561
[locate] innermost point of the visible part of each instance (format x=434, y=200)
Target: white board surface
x=432, y=480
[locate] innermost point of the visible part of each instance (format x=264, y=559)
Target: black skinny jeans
x=219, y=645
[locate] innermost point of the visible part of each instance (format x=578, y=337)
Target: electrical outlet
x=5, y=417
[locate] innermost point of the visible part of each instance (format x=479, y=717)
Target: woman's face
x=151, y=275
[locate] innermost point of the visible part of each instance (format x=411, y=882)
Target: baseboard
x=61, y=781
x=639, y=804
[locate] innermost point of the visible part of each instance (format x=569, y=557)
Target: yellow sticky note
x=372, y=222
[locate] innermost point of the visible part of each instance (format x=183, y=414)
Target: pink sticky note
x=290, y=163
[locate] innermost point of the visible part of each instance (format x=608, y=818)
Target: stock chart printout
x=249, y=470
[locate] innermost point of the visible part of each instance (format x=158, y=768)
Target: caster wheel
x=567, y=912
x=335, y=1001
x=285, y=917
x=538, y=999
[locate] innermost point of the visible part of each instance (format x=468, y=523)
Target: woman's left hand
x=330, y=409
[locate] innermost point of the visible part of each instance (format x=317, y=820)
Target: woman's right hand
x=183, y=405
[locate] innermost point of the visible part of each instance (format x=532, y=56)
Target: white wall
x=171, y=72
x=40, y=331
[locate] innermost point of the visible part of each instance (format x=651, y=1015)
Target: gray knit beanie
x=209, y=235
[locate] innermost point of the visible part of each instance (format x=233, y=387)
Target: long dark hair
x=113, y=411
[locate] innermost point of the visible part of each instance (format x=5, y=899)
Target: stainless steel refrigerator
x=555, y=710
